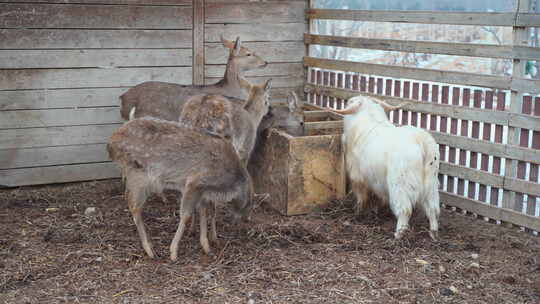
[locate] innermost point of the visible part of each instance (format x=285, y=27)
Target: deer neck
x=255, y=109
x=234, y=82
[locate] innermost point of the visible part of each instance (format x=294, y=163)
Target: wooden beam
x=494, y=149
x=89, y=77
x=94, y=39
x=52, y=156
x=58, y=174
x=57, y=16
x=473, y=175
x=495, y=213
x=496, y=117
x=94, y=58
x=430, y=17
x=461, y=78
x=317, y=125
x=447, y=48
x=255, y=12
x=198, y=42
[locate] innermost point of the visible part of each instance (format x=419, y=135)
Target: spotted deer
x=156, y=155
x=234, y=119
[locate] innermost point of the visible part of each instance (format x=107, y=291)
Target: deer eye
x=248, y=54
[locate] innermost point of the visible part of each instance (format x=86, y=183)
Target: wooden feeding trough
x=301, y=173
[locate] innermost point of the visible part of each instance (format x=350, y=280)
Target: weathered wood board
x=301, y=174
x=64, y=64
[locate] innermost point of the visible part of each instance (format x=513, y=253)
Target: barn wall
x=272, y=29
x=63, y=65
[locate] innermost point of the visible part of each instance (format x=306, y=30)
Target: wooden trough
x=301, y=173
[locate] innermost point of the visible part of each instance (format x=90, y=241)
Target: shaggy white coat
x=398, y=164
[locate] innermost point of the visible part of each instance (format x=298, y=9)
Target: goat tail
x=431, y=160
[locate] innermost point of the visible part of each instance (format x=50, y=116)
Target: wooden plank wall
x=64, y=63
x=472, y=125
x=272, y=29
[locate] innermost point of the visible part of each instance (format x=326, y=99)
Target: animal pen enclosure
x=64, y=64
x=482, y=171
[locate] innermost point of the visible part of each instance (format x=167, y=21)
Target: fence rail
x=431, y=17
x=445, y=48
x=487, y=127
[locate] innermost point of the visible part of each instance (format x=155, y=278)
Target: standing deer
x=165, y=100
x=157, y=155
x=233, y=119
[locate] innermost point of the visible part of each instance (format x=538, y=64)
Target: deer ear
x=292, y=101
x=237, y=46
x=268, y=84
x=226, y=43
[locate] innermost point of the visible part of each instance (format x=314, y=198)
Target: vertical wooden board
x=269, y=168
x=314, y=172
x=198, y=42
x=512, y=200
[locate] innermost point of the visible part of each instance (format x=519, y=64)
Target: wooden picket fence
x=490, y=152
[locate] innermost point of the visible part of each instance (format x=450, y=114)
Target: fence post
x=198, y=42
x=519, y=37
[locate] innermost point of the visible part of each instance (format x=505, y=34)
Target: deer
x=156, y=155
x=232, y=119
x=286, y=117
x=165, y=100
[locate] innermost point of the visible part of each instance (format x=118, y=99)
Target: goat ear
x=237, y=46
x=268, y=85
x=226, y=43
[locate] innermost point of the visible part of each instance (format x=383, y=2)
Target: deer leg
x=213, y=233
x=204, y=229
x=137, y=196
x=189, y=200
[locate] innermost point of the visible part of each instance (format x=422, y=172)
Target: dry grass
x=63, y=256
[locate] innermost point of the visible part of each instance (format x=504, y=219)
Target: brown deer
x=157, y=155
x=165, y=100
x=232, y=119
x=289, y=118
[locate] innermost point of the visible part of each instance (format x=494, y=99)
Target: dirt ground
x=51, y=252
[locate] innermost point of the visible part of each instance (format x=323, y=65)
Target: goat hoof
x=434, y=234
x=400, y=233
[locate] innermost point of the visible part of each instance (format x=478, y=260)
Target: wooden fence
x=482, y=171
x=64, y=63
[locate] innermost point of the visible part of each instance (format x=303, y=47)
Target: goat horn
x=350, y=110
x=387, y=107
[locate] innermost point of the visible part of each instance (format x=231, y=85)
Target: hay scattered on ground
x=51, y=252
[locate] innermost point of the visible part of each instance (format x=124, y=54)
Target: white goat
x=397, y=164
